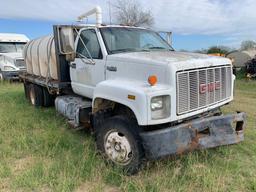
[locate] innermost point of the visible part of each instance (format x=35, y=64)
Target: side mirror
x=66, y=42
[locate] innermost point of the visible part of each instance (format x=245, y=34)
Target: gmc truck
x=139, y=97
x=11, y=61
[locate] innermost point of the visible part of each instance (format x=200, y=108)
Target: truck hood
x=13, y=55
x=178, y=60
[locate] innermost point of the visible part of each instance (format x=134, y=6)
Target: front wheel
x=117, y=138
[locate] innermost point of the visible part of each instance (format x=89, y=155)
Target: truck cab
x=11, y=59
x=127, y=57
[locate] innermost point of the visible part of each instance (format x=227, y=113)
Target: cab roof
x=107, y=26
x=13, y=37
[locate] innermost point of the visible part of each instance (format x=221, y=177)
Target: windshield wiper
x=123, y=50
x=160, y=48
x=157, y=48
x=129, y=50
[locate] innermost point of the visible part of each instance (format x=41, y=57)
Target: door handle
x=73, y=65
x=111, y=68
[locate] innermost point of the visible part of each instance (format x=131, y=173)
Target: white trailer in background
x=11, y=60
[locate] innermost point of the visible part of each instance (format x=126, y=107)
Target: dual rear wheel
x=38, y=95
x=1, y=76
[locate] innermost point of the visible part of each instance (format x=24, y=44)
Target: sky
x=196, y=24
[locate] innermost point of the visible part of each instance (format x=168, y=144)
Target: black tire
x=1, y=76
x=36, y=95
x=48, y=98
x=234, y=71
x=26, y=90
x=126, y=130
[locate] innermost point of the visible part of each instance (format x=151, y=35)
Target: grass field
x=39, y=152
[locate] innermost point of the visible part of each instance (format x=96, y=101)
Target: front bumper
x=11, y=75
x=200, y=133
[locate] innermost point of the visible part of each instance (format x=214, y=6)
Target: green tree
x=130, y=12
x=218, y=49
x=247, y=45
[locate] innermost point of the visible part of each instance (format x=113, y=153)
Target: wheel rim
x=118, y=148
x=32, y=96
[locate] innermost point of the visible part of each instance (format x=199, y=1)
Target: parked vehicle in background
x=241, y=58
x=251, y=68
x=140, y=98
x=11, y=60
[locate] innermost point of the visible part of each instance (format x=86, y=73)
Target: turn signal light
x=152, y=80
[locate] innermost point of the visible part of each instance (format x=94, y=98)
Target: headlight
x=9, y=68
x=160, y=107
x=156, y=103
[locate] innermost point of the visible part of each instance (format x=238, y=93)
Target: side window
x=91, y=42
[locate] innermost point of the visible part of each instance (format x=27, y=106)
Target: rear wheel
x=1, y=76
x=26, y=90
x=117, y=138
x=36, y=95
x=48, y=98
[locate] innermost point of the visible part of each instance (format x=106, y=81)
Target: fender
x=117, y=90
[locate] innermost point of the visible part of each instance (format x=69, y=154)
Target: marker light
x=152, y=80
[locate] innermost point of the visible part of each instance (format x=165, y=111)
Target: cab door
x=88, y=68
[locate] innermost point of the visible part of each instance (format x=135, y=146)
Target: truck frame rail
x=54, y=85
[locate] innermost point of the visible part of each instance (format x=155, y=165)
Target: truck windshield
x=8, y=47
x=121, y=39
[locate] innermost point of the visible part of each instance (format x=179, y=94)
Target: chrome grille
x=20, y=63
x=201, y=88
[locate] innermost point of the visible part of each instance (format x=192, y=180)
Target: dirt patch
x=85, y=187
x=5, y=185
x=22, y=164
x=96, y=186
x=44, y=189
x=111, y=189
x=199, y=166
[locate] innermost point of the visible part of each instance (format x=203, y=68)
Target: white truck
x=140, y=98
x=11, y=60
